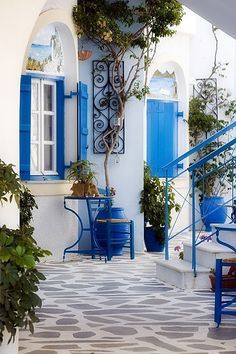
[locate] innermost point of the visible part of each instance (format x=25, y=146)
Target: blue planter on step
x=119, y=232
x=213, y=211
x=151, y=240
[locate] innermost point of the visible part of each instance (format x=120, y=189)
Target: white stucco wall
x=17, y=19
x=202, y=51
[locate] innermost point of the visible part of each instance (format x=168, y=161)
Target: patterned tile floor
x=90, y=307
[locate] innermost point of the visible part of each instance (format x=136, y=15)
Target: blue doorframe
x=162, y=135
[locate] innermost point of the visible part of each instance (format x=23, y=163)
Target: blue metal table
x=92, y=205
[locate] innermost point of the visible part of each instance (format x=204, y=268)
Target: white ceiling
x=221, y=13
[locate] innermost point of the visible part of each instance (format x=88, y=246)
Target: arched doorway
x=162, y=122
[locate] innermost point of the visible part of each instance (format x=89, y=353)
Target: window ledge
x=49, y=187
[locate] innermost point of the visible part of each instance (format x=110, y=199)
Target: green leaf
x=31, y=327
x=28, y=260
x=4, y=254
x=20, y=250
x=41, y=276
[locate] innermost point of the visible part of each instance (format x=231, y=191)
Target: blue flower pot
x=213, y=211
x=151, y=240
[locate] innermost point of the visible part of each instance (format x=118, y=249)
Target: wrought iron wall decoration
x=105, y=105
x=207, y=89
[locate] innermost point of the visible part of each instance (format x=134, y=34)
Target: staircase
x=180, y=273
x=199, y=256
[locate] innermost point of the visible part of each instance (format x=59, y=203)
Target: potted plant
x=204, y=110
x=152, y=204
x=83, y=175
x=19, y=255
x=228, y=280
x=210, y=187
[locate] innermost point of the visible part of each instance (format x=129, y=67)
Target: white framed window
x=43, y=145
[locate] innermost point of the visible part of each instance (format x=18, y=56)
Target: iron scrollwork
x=207, y=89
x=105, y=105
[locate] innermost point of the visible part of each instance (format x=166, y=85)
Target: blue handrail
x=211, y=155
x=199, y=146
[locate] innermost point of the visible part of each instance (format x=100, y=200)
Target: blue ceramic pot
x=119, y=232
x=213, y=211
x=151, y=240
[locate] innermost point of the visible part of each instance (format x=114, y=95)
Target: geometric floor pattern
x=90, y=307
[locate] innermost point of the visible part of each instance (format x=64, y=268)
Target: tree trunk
x=110, y=138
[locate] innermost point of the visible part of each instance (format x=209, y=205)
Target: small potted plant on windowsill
x=152, y=204
x=83, y=175
x=19, y=255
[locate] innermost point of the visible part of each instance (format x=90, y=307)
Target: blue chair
x=110, y=236
x=109, y=226
x=225, y=297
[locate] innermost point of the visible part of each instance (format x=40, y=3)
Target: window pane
x=48, y=157
x=48, y=97
x=48, y=128
x=35, y=127
x=34, y=157
x=35, y=96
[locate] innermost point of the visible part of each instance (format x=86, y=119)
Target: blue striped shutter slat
x=83, y=122
x=60, y=129
x=25, y=121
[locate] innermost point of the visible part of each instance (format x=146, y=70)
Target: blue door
x=162, y=135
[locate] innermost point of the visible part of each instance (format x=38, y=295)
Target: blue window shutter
x=162, y=135
x=25, y=119
x=83, y=122
x=60, y=129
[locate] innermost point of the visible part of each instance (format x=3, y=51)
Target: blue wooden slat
x=60, y=129
x=83, y=122
x=25, y=118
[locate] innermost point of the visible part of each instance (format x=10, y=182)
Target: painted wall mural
x=46, y=54
x=163, y=85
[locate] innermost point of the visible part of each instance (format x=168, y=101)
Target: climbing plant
x=125, y=30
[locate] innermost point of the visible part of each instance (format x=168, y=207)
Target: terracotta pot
x=84, y=189
x=228, y=281
x=84, y=54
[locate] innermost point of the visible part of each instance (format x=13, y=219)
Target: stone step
x=207, y=253
x=179, y=273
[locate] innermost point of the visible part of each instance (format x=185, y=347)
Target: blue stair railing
x=191, y=169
